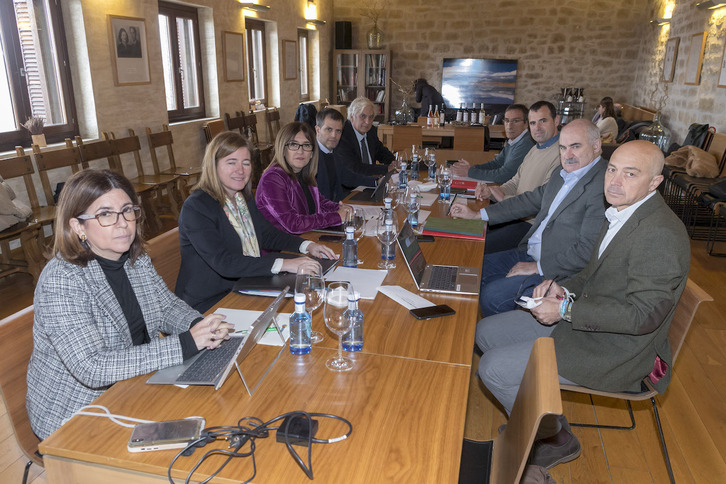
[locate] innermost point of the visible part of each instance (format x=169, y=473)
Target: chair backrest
x=213, y=128
x=165, y=254
x=16, y=345
x=236, y=122
x=686, y=308
x=251, y=124
x=272, y=116
x=100, y=150
x=422, y=120
x=717, y=148
x=406, y=136
x=121, y=146
x=469, y=138
x=53, y=159
x=17, y=166
x=538, y=396
x=157, y=140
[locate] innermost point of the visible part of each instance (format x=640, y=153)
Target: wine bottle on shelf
x=464, y=115
x=436, y=117
x=430, y=118
x=482, y=115
x=442, y=115
x=460, y=114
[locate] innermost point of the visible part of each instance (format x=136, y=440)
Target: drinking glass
x=430, y=161
x=444, y=177
x=310, y=282
x=392, y=191
x=356, y=219
x=337, y=321
x=387, y=238
x=413, y=203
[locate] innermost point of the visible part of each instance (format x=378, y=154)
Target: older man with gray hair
x=361, y=158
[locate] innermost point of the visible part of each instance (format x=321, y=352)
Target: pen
x=451, y=204
x=271, y=329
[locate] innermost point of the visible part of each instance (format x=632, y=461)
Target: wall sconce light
x=311, y=14
x=660, y=21
x=710, y=5
x=254, y=6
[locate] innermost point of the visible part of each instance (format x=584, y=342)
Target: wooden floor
x=693, y=410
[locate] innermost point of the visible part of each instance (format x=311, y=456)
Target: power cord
x=248, y=429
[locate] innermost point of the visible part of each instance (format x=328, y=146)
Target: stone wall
x=593, y=44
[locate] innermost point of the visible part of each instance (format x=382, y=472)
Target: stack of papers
x=365, y=281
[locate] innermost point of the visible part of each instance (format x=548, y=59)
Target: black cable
x=239, y=435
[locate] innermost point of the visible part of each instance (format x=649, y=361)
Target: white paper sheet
x=428, y=199
x=405, y=298
x=243, y=319
x=365, y=281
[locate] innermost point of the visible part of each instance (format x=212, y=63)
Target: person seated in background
x=287, y=194
x=328, y=129
x=569, y=211
x=100, y=305
x=536, y=168
x=222, y=234
x=504, y=166
x=607, y=124
x=428, y=96
x=610, y=325
x=360, y=158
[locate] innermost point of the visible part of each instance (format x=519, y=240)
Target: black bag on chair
x=306, y=114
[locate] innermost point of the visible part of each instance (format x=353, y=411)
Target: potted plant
x=35, y=124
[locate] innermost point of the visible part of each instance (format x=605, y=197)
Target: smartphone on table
x=432, y=312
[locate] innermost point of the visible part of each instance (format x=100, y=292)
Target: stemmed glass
x=430, y=161
x=310, y=282
x=337, y=321
x=357, y=220
x=387, y=236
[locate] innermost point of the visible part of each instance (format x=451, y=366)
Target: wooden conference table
x=385, y=132
x=406, y=398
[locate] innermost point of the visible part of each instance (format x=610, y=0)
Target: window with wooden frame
x=182, y=61
x=35, y=77
x=256, y=60
x=303, y=64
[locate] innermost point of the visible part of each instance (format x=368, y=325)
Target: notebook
x=211, y=367
x=271, y=285
x=435, y=278
x=373, y=195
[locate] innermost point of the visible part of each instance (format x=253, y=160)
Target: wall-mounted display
x=488, y=81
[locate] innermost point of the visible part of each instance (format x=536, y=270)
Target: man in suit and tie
x=569, y=210
x=328, y=129
x=610, y=321
x=361, y=158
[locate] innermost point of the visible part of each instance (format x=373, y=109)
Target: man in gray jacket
x=569, y=210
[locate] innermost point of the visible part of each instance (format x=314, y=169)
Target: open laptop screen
x=412, y=252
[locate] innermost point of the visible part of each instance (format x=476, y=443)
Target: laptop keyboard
x=443, y=278
x=210, y=364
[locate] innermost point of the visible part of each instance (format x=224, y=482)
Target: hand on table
x=460, y=168
x=461, y=210
x=344, y=211
x=483, y=191
x=321, y=251
x=211, y=331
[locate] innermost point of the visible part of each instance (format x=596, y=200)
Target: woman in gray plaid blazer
x=100, y=305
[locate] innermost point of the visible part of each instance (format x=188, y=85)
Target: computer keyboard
x=443, y=278
x=211, y=363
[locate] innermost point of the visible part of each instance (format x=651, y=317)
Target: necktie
x=364, y=152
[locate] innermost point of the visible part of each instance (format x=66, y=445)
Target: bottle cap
x=299, y=298
x=388, y=200
x=354, y=296
x=349, y=229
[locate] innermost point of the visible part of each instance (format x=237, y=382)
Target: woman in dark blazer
x=100, y=305
x=287, y=194
x=224, y=236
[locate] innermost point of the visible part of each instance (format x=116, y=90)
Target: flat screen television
x=488, y=81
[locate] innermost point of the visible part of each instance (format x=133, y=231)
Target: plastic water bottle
x=387, y=208
x=413, y=207
x=414, y=163
x=403, y=177
x=300, y=327
x=353, y=339
x=388, y=241
x=350, y=248
x=445, y=193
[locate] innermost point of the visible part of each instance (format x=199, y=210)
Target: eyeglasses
x=293, y=146
x=513, y=121
x=109, y=218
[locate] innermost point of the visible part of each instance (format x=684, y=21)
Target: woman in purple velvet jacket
x=287, y=194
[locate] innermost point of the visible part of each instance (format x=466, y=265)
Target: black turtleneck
x=308, y=194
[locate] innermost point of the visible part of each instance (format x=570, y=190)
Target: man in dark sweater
x=328, y=129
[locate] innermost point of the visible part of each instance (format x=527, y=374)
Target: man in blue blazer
x=328, y=130
x=360, y=158
x=569, y=209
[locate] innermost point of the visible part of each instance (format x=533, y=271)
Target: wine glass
x=310, y=282
x=356, y=219
x=430, y=161
x=386, y=234
x=337, y=321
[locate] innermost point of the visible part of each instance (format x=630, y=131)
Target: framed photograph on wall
x=233, y=46
x=669, y=60
x=289, y=59
x=722, y=69
x=695, y=58
x=129, y=54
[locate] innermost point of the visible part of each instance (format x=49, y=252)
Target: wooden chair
x=165, y=254
x=422, y=120
x=272, y=118
x=103, y=154
x=16, y=345
x=28, y=233
x=163, y=139
x=686, y=308
x=132, y=145
x=470, y=138
x=236, y=122
x=213, y=128
x=406, y=136
x=505, y=458
x=48, y=160
x=265, y=151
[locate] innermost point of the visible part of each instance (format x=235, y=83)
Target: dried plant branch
x=403, y=90
x=34, y=125
x=373, y=10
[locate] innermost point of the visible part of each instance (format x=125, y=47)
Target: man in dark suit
x=328, y=129
x=610, y=322
x=569, y=210
x=361, y=158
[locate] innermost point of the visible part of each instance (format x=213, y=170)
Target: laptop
x=211, y=367
x=271, y=285
x=373, y=195
x=435, y=278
